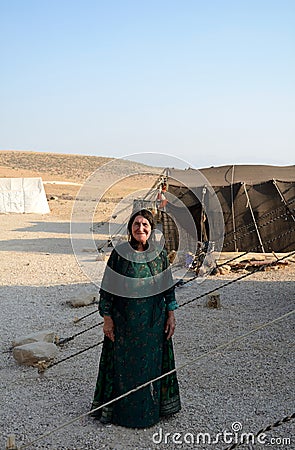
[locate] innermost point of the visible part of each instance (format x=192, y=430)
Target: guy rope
x=63, y=341
x=42, y=366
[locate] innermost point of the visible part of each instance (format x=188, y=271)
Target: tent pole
x=283, y=198
x=204, y=190
x=232, y=208
x=253, y=217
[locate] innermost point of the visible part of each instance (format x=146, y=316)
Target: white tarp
x=23, y=195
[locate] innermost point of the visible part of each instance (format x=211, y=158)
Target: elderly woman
x=137, y=302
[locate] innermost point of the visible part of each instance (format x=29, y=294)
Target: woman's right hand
x=108, y=327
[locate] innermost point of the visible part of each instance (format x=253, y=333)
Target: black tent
x=256, y=205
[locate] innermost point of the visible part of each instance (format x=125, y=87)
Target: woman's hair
x=148, y=216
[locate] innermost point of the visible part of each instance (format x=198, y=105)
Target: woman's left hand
x=170, y=324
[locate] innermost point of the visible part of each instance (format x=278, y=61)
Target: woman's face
x=141, y=229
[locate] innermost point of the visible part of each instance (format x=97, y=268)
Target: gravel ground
x=250, y=382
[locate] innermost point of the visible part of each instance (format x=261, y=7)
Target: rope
x=240, y=256
x=260, y=226
x=241, y=229
x=78, y=319
x=264, y=430
x=282, y=197
x=239, y=278
x=220, y=265
x=65, y=340
x=42, y=366
x=281, y=235
x=188, y=363
x=265, y=215
x=68, y=339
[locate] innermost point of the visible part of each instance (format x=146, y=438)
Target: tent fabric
x=227, y=175
x=23, y=195
x=257, y=204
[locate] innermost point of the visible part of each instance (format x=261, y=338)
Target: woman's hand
x=108, y=327
x=170, y=324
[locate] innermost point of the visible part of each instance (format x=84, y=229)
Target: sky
x=208, y=82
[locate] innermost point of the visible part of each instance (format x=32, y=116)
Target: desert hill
x=63, y=167
x=56, y=168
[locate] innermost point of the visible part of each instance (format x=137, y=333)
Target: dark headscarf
x=147, y=215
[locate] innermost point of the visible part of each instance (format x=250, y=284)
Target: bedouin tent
x=23, y=195
x=257, y=203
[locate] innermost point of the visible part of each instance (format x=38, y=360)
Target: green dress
x=141, y=351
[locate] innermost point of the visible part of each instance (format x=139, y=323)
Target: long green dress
x=141, y=350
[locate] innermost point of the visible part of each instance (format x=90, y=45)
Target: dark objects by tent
x=257, y=204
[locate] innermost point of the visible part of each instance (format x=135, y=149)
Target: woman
x=137, y=302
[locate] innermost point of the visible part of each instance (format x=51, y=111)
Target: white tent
x=23, y=195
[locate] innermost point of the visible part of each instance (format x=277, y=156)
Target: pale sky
x=210, y=82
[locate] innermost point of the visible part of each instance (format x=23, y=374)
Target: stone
x=83, y=300
x=213, y=300
x=224, y=270
x=101, y=257
x=43, y=336
x=30, y=354
x=256, y=257
x=171, y=256
x=11, y=445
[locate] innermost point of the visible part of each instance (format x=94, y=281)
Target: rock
x=224, y=270
x=171, y=256
x=43, y=336
x=11, y=445
x=213, y=300
x=83, y=300
x=100, y=257
x=30, y=354
x=256, y=257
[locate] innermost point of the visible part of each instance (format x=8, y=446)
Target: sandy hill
x=63, y=167
x=54, y=167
